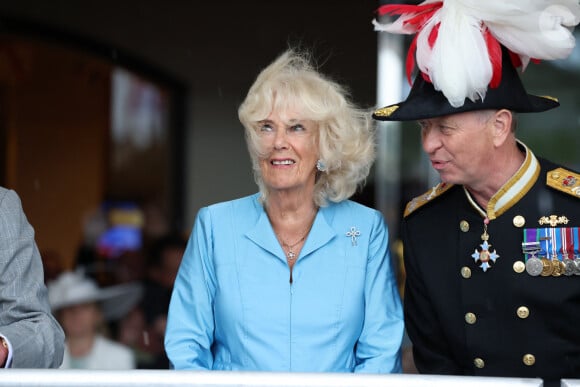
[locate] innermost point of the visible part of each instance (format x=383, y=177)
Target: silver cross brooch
x=353, y=234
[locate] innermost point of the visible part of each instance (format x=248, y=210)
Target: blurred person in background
x=84, y=309
x=144, y=327
x=165, y=258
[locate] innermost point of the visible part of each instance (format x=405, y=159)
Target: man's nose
x=429, y=140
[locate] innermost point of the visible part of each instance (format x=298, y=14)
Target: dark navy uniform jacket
x=503, y=321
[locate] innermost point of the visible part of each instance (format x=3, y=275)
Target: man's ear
x=502, y=126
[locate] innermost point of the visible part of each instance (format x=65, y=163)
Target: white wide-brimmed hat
x=74, y=288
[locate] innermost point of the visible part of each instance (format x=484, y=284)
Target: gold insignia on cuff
x=386, y=111
x=565, y=181
x=426, y=197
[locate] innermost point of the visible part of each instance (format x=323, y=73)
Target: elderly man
x=491, y=253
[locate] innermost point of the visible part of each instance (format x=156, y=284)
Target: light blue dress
x=234, y=308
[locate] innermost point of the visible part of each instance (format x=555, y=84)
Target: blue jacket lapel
x=321, y=233
x=263, y=235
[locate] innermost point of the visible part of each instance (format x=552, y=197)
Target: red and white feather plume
x=458, y=42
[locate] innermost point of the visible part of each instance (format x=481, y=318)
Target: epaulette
x=426, y=197
x=565, y=181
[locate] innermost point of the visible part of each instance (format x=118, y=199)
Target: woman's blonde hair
x=346, y=133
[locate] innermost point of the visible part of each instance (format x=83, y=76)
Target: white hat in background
x=74, y=288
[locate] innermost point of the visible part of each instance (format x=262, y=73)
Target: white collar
x=514, y=189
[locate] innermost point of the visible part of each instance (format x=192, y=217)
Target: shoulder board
x=564, y=180
x=426, y=197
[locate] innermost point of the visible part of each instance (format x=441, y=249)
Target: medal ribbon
x=545, y=242
x=531, y=246
x=552, y=242
x=576, y=244
x=555, y=243
x=567, y=243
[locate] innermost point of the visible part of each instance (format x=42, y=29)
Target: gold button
x=465, y=272
x=523, y=312
x=519, y=221
x=519, y=267
x=529, y=359
x=470, y=318
x=464, y=226
x=478, y=362
x=555, y=175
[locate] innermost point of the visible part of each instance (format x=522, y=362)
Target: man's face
x=459, y=146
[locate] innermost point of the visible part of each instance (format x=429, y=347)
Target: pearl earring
x=321, y=166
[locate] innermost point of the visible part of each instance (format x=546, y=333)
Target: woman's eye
x=266, y=128
x=297, y=128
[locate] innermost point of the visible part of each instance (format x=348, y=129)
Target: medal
x=485, y=255
x=572, y=246
x=557, y=249
x=569, y=267
x=530, y=247
x=547, y=268
x=568, y=251
x=534, y=266
x=577, y=264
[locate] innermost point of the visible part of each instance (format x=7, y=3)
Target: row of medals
x=545, y=267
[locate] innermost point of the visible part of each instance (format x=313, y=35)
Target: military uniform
x=472, y=307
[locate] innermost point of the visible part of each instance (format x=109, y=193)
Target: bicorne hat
x=468, y=53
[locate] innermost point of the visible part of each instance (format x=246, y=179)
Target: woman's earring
x=321, y=166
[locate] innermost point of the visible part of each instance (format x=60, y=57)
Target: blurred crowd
x=112, y=303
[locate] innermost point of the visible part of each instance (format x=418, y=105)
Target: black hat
x=426, y=102
x=468, y=56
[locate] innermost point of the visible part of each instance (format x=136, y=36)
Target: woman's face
x=289, y=151
x=80, y=320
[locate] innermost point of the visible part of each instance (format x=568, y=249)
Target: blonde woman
x=296, y=277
